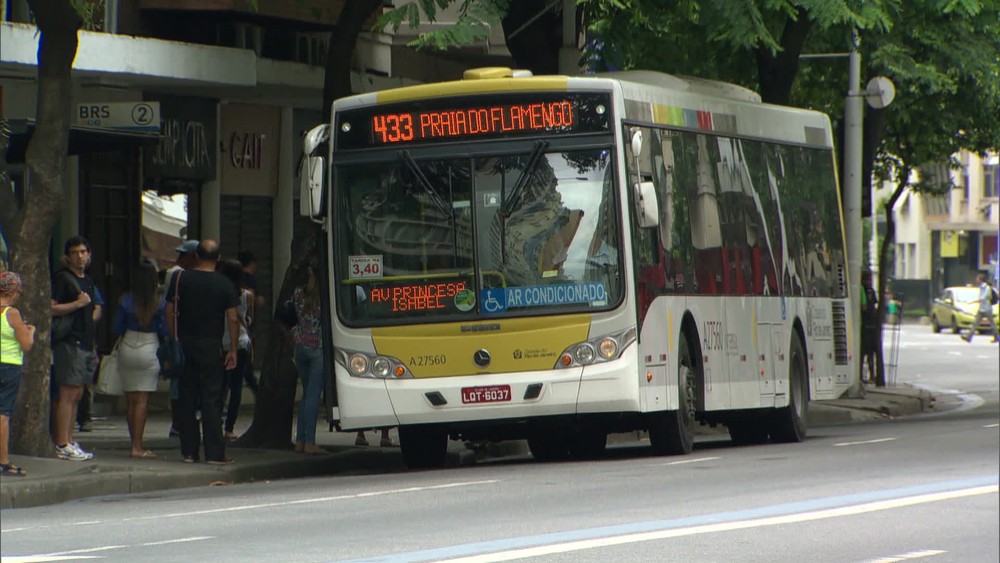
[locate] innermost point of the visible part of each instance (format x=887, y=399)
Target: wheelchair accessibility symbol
x=493, y=301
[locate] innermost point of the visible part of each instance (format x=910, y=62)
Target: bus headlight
x=359, y=364
x=380, y=367
x=372, y=366
x=608, y=348
x=596, y=350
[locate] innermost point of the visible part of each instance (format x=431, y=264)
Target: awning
x=81, y=139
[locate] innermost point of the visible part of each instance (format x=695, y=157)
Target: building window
x=901, y=261
x=991, y=180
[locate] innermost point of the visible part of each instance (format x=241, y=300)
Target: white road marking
x=877, y=441
x=682, y=462
x=863, y=508
x=991, y=426
x=88, y=550
x=179, y=540
x=909, y=555
x=262, y=505
x=43, y=558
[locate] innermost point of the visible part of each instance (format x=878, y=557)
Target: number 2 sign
x=365, y=267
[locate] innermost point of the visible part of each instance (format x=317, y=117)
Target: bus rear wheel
x=789, y=423
x=423, y=447
x=672, y=432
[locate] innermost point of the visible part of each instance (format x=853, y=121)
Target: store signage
x=127, y=116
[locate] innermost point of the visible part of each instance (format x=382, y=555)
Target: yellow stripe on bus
x=514, y=345
x=461, y=87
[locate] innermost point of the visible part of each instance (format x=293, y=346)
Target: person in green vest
x=16, y=338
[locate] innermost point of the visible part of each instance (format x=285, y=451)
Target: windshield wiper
x=522, y=180
x=435, y=197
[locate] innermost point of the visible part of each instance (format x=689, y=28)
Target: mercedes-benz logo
x=481, y=357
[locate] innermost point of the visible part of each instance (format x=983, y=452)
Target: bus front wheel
x=672, y=432
x=423, y=447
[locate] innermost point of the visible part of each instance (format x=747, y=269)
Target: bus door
x=737, y=343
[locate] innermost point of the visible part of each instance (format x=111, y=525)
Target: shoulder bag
x=170, y=353
x=62, y=325
x=109, y=379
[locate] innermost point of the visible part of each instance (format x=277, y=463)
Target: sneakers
x=72, y=452
x=361, y=441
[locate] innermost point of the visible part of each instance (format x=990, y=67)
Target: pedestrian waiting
x=16, y=338
x=140, y=323
x=205, y=301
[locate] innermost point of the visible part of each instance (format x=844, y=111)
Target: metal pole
x=569, y=53
x=852, y=186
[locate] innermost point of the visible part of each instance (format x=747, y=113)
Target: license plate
x=486, y=394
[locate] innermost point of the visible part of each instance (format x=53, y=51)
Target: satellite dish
x=880, y=92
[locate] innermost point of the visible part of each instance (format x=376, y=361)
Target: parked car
x=956, y=308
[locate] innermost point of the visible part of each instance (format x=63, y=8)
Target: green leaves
x=475, y=19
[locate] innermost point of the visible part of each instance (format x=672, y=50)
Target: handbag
x=171, y=357
x=170, y=353
x=109, y=379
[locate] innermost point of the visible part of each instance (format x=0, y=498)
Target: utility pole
x=569, y=53
x=853, y=127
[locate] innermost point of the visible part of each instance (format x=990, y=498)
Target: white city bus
x=558, y=258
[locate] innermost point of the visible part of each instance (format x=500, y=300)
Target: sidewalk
x=112, y=471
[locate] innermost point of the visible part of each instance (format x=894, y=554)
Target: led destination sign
x=473, y=118
x=470, y=122
x=422, y=296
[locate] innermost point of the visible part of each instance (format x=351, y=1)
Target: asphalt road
x=923, y=487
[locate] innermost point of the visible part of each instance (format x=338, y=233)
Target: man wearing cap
x=186, y=260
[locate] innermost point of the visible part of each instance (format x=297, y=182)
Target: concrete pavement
x=112, y=471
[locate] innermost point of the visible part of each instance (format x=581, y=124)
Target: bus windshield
x=453, y=239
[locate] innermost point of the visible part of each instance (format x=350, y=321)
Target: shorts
x=73, y=366
x=10, y=380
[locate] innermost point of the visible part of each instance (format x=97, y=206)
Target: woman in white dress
x=140, y=322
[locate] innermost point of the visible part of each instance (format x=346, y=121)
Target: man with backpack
x=987, y=298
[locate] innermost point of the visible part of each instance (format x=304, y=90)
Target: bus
x=556, y=258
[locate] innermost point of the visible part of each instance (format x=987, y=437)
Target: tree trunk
x=776, y=72
x=275, y=403
x=883, y=268
x=46, y=160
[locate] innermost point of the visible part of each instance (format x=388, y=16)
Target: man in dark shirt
x=205, y=302
x=74, y=296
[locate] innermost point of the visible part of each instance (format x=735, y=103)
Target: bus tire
x=672, y=432
x=423, y=447
x=789, y=423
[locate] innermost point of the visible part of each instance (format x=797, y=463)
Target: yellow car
x=956, y=308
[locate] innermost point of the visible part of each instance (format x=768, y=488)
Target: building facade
x=188, y=121
x=943, y=241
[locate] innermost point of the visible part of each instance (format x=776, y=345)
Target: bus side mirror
x=312, y=178
x=646, y=210
x=313, y=173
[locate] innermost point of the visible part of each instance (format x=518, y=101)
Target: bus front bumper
x=374, y=403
